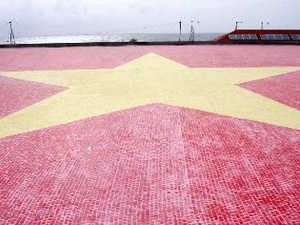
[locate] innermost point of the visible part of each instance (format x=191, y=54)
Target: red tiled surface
x=66, y=58
x=283, y=88
x=241, y=172
x=155, y=164
x=109, y=57
x=232, y=55
x=18, y=94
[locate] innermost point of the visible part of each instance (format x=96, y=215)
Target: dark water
x=148, y=37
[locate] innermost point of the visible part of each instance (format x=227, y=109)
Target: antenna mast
x=192, y=33
x=11, y=35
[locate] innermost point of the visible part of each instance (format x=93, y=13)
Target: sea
x=139, y=37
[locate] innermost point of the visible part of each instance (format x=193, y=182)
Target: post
x=180, y=30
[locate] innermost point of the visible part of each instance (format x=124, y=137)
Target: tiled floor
x=153, y=163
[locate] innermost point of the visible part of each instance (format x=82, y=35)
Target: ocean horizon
x=124, y=37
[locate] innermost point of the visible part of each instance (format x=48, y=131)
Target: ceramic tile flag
x=199, y=134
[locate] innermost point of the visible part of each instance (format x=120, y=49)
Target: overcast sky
x=61, y=17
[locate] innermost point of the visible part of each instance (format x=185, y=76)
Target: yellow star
x=148, y=79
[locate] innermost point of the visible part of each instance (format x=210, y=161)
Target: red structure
x=256, y=36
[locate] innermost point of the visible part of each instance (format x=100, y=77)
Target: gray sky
x=61, y=17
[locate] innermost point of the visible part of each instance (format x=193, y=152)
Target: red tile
x=152, y=164
x=110, y=57
x=18, y=94
x=283, y=88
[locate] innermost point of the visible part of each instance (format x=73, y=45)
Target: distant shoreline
x=115, y=38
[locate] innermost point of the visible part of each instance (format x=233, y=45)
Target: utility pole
x=180, y=23
x=11, y=35
x=236, y=24
x=192, y=33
